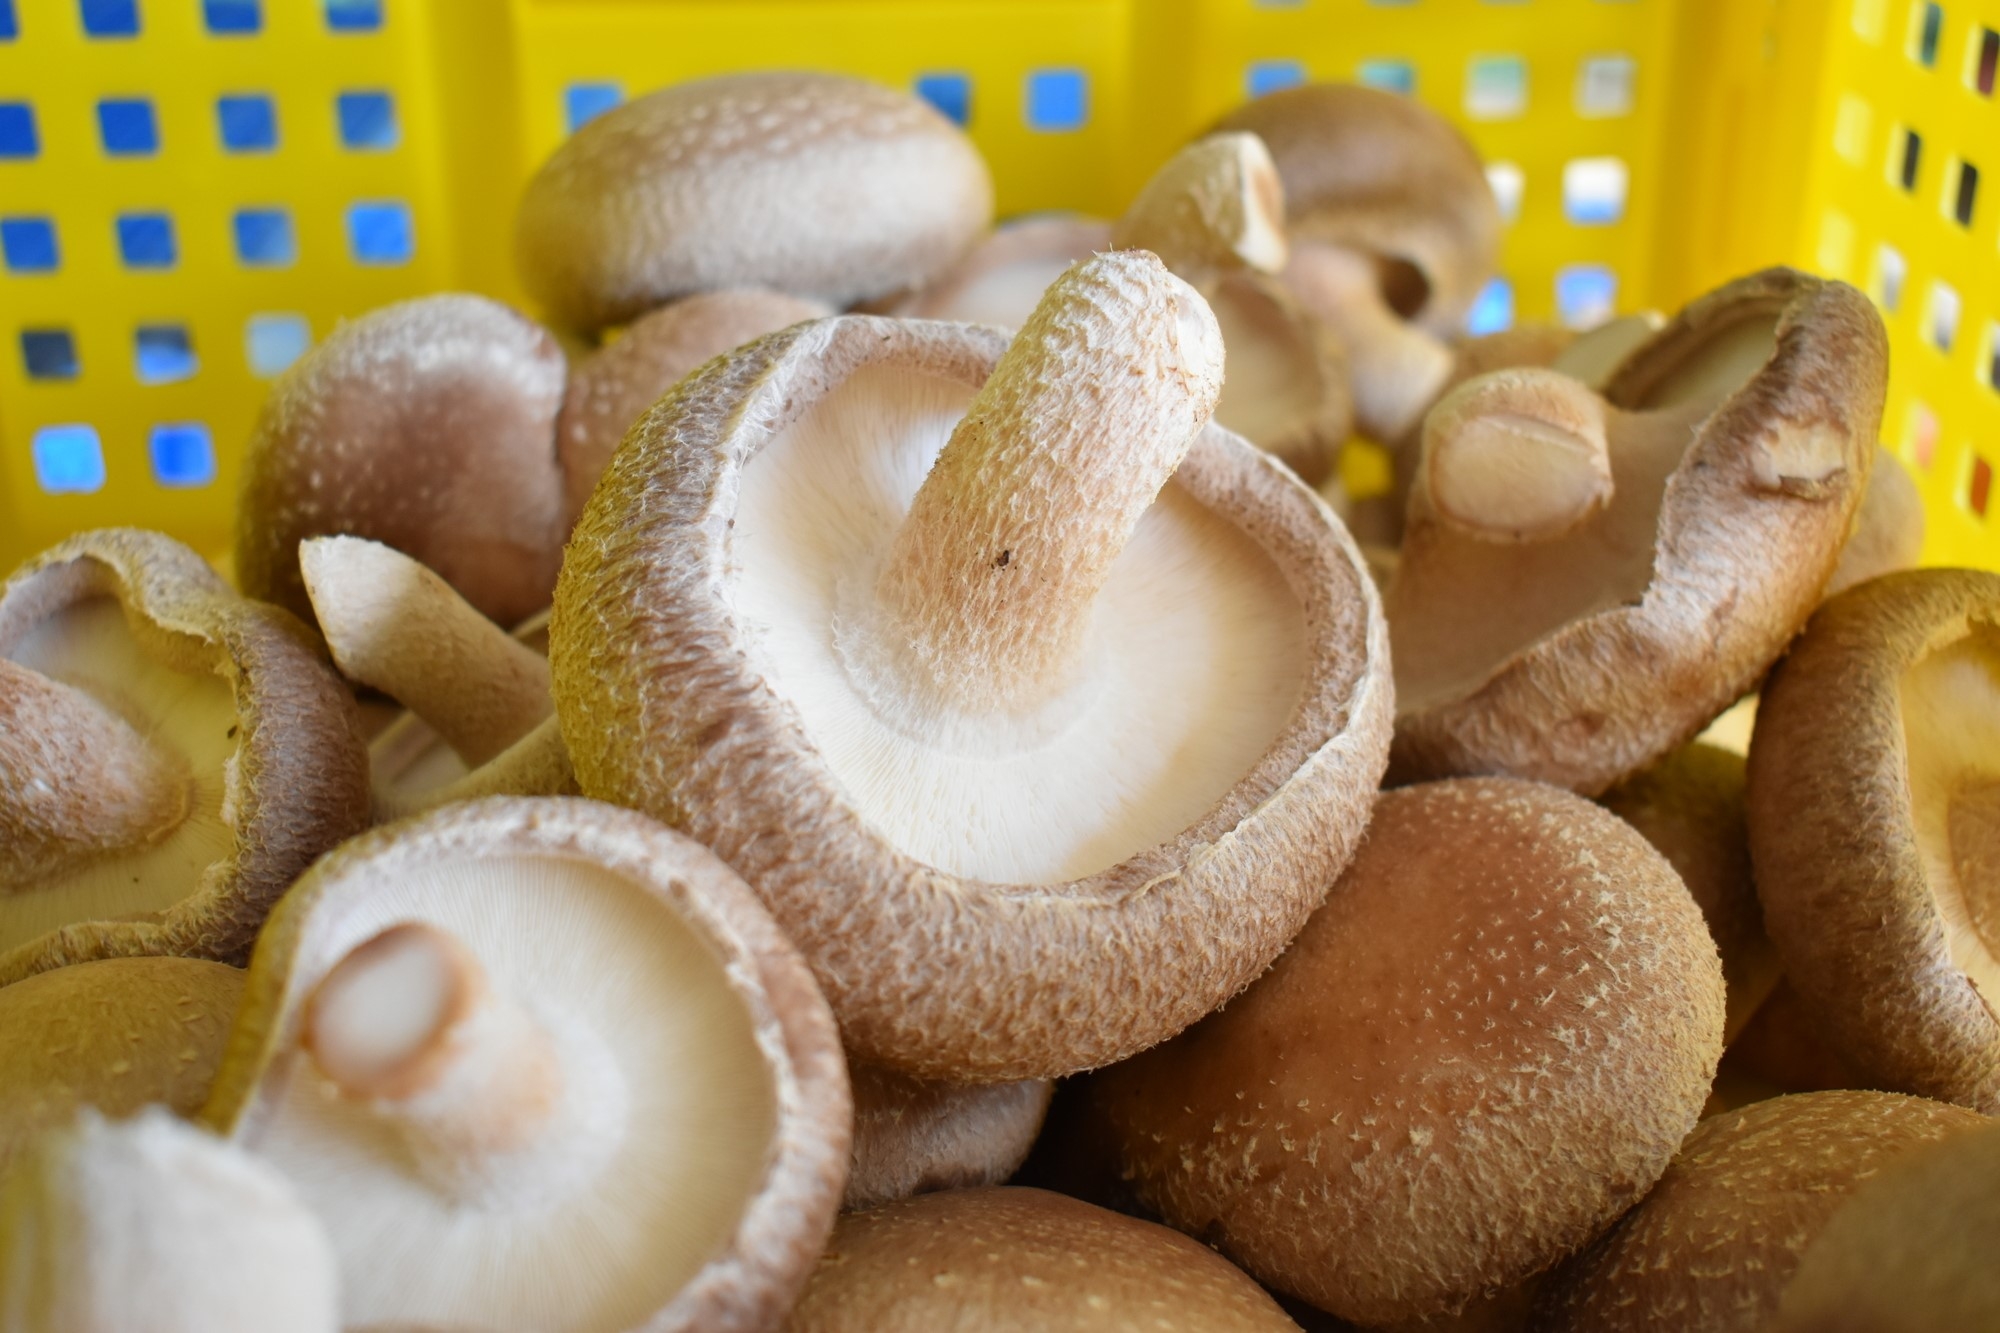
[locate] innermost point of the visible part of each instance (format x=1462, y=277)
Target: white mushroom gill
x=1951, y=730
x=190, y=712
x=1193, y=661
x=597, y=964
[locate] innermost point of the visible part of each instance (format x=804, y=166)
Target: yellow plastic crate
x=193, y=190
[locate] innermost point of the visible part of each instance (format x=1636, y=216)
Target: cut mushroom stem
x=1518, y=455
x=81, y=781
x=1399, y=368
x=1217, y=205
x=991, y=577
x=478, y=1087
x=394, y=625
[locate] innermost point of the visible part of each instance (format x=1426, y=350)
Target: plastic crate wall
x=1627, y=138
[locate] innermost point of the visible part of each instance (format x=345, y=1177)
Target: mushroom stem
x=1217, y=205
x=1399, y=369
x=394, y=625
x=991, y=578
x=1517, y=456
x=79, y=782
x=408, y=1023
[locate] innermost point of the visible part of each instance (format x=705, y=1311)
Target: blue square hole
x=230, y=18
x=367, y=120
x=1493, y=311
x=29, y=245
x=264, y=238
x=1270, y=76
x=1391, y=76
x=17, y=130
x=380, y=233
x=585, y=102
x=248, y=121
x=272, y=342
x=951, y=94
x=127, y=127
x=354, y=15
x=183, y=454
x=49, y=354
x=146, y=240
x=1058, y=99
x=1586, y=295
x=10, y=28
x=68, y=459
x=110, y=18
x=163, y=353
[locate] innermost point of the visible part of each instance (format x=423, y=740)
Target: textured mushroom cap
x=1872, y=817
x=1888, y=530
x=582, y=913
x=151, y=1224
x=1023, y=1261
x=1711, y=1248
x=612, y=387
x=1000, y=279
x=826, y=187
x=277, y=771
x=1386, y=175
x=429, y=426
x=115, y=1035
x=914, y=1137
x=939, y=974
x=1579, y=661
x=1690, y=807
x=1912, y=1251
x=1484, y=1047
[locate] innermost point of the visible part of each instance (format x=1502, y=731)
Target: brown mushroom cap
x=1711, y=1248
x=613, y=386
x=913, y=1136
x=1690, y=807
x=1911, y=1251
x=1011, y=1260
x=1483, y=1047
x=1739, y=440
x=822, y=186
x=1888, y=529
x=225, y=698
x=1063, y=913
x=1873, y=777
x=116, y=1035
x=1002, y=278
x=428, y=425
x=620, y=1077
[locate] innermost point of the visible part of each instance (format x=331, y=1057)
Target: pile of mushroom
x=860, y=708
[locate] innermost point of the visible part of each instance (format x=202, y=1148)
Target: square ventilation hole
x=367, y=121
x=1906, y=158
x=380, y=232
x=1496, y=87
x=1604, y=86
x=1391, y=76
x=1978, y=486
x=233, y=18
x=1594, y=190
x=127, y=127
x=163, y=353
x=1926, y=33
x=49, y=354
x=1992, y=367
x=1961, y=195
x=1920, y=436
x=146, y=240
x=1891, y=271
x=950, y=93
x=69, y=460
x=18, y=139
x=1058, y=99
x=110, y=18
x=1270, y=76
x=585, y=102
x=29, y=245
x=1508, y=183
x=248, y=122
x=1853, y=124
x=1985, y=62
x=182, y=454
x=272, y=342
x=10, y=27
x=1493, y=311
x=1586, y=295
x=264, y=238
x=354, y=15
x=1941, y=319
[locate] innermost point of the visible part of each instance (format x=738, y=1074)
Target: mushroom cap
x=1386, y=175
x=1483, y=1047
x=1005, y=1259
x=613, y=386
x=429, y=426
x=1713, y=1245
x=1872, y=818
x=913, y=1136
x=829, y=188
x=1001, y=278
x=725, y=1103
x=1888, y=529
x=152, y=1224
x=1035, y=927
x=1286, y=389
x=1911, y=1250
x=234, y=688
x=1580, y=660
x=115, y=1035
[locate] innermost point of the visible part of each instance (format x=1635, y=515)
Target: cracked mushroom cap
x=115, y=1035
x=1000, y=280
x=542, y=1063
x=915, y=1136
x=1712, y=1247
x=1484, y=1047
x=1010, y=1260
x=828, y=188
x=172, y=756
x=151, y=1224
x=1585, y=582
x=1874, y=807
x=1034, y=767
x=429, y=425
